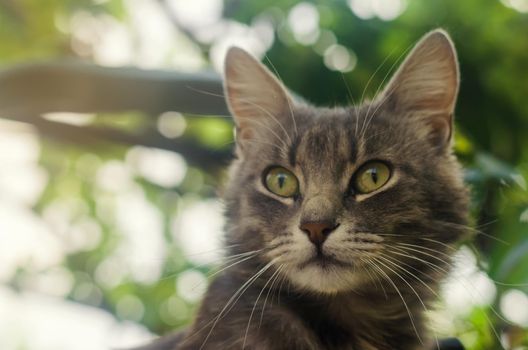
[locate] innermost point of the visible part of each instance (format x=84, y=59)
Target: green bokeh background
x=491, y=134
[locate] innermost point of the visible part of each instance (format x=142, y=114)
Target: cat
x=341, y=222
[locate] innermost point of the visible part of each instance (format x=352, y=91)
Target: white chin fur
x=325, y=280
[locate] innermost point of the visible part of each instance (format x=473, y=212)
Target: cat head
x=332, y=196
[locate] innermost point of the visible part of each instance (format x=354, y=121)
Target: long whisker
x=375, y=278
x=263, y=125
x=436, y=251
x=398, y=266
x=469, y=228
x=424, y=253
x=292, y=115
x=255, y=305
x=225, y=261
x=465, y=287
x=367, y=120
x=267, y=294
x=245, y=258
x=236, y=296
x=380, y=270
x=264, y=143
x=268, y=113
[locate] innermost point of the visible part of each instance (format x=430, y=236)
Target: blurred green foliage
x=491, y=140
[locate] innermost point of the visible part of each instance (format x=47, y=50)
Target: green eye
x=281, y=181
x=371, y=176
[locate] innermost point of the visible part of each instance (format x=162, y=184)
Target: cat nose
x=317, y=231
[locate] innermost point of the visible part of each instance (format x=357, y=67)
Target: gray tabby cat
x=341, y=221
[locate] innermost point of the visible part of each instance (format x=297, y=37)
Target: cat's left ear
x=257, y=100
x=425, y=87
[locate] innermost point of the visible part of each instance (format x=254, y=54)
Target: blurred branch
x=84, y=88
x=91, y=136
x=28, y=91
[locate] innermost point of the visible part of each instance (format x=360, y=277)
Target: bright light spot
x=514, y=306
x=88, y=293
x=467, y=286
x=524, y=216
x=388, y=10
x=264, y=30
x=114, y=176
x=56, y=281
x=84, y=235
x=60, y=213
x=171, y=124
x=105, y=208
x=142, y=249
x=303, y=20
x=103, y=37
x=21, y=179
x=236, y=34
x=174, y=310
x=79, y=119
x=519, y=180
x=22, y=183
x=25, y=241
x=161, y=167
x=199, y=229
x=191, y=285
x=326, y=39
x=384, y=9
x=130, y=307
x=339, y=58
x=517, y=5
x=37, y=322
x=156, y=37
x=196, y=13
x=362, y=8
x=22, y=143
x=110, y=273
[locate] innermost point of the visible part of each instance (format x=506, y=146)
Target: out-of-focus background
x=109, y=217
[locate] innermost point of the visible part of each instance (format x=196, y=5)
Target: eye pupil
x=281, y=179
x=374, y=175
x=371, y=176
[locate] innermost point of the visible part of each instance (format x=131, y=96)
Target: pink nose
x=317, y=231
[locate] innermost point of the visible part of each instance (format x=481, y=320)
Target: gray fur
x=390, y=245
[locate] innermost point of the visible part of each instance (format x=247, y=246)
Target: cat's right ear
x=257, y=100
x=425, y=87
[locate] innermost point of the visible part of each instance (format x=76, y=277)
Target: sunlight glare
x=303, y=20
x=199, y=231
x=191, y=285
x=339, y=58
x=514, y=306
x=161, y=167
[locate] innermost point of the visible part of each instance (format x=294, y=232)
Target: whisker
x=292, y=115
x=397, y=266
x=236, y=296
x=376, y=280
x=267, y=295
x=424, y=253
x=401, y=297
x=463, y=283
x=255, y=305
x=469, y=228
x=367, y=119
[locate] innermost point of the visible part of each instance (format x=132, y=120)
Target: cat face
x=335, y=198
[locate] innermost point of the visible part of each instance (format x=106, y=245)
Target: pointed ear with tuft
x=425, y=87
x=259, y=103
